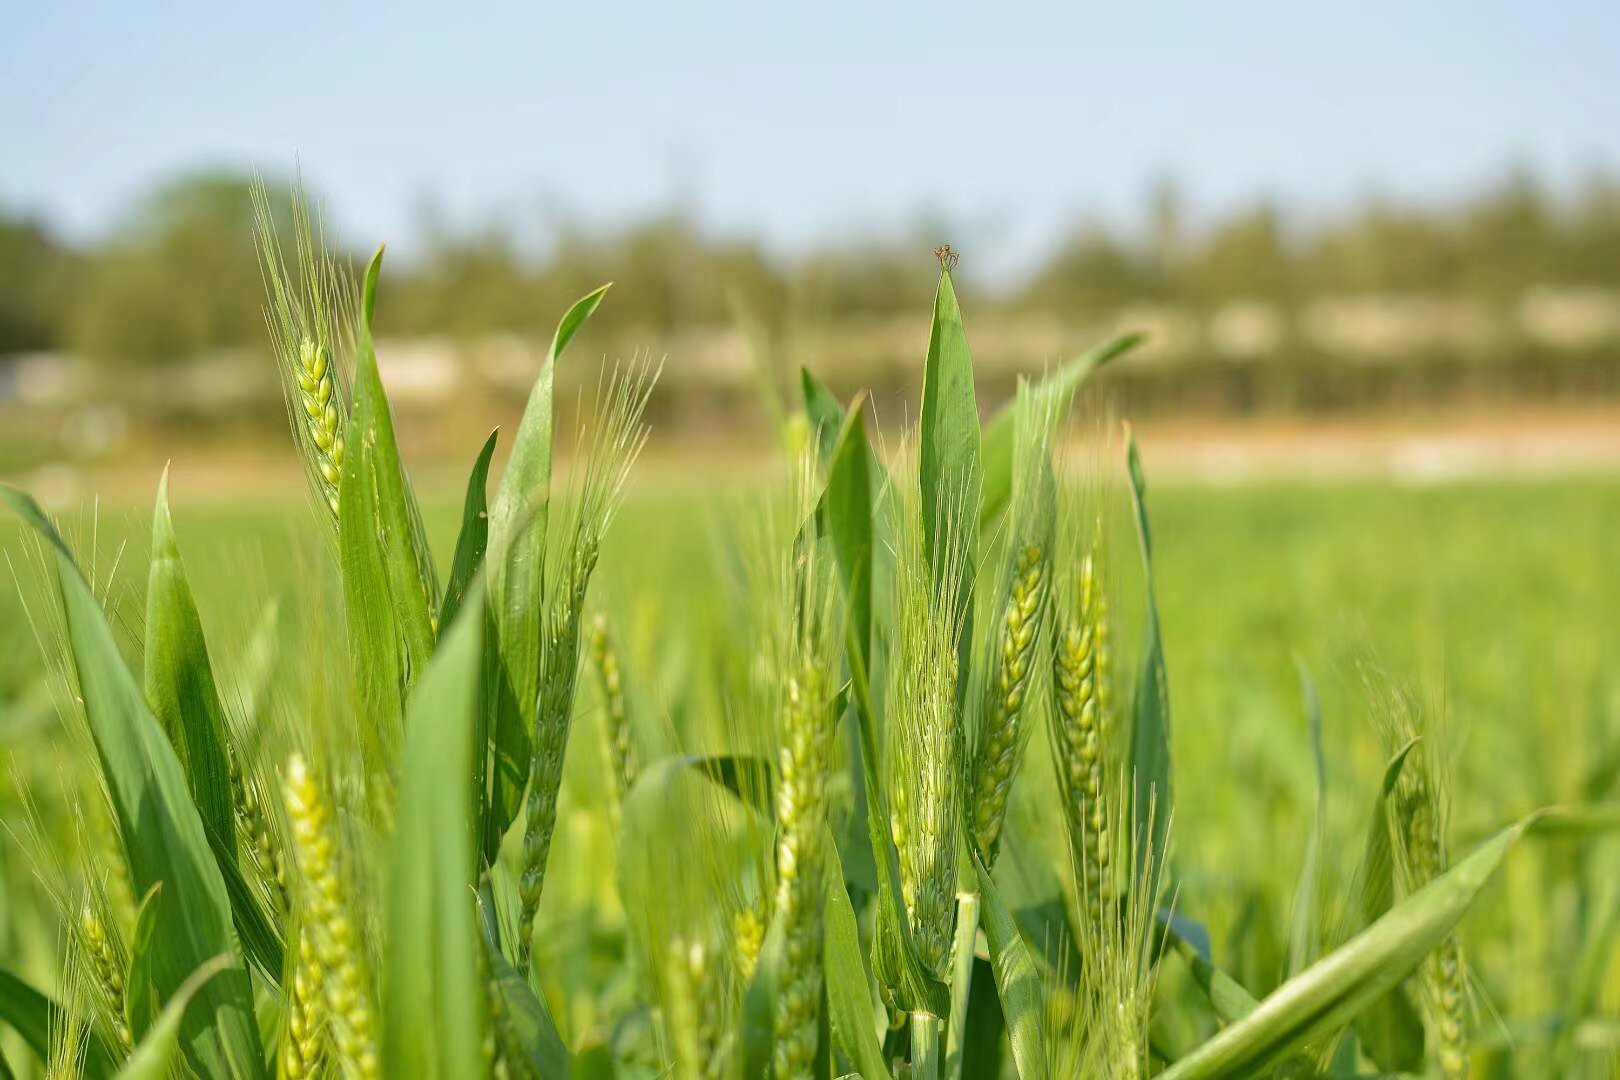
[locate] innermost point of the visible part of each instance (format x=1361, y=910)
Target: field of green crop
x=909, y=763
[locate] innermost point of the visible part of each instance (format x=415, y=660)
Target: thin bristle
x=312, y=316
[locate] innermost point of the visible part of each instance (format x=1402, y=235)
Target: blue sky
x=803, y=122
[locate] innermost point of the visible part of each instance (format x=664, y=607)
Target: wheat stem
x=924, y=1046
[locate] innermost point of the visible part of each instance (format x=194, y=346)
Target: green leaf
x=1334, y=990
x=433, y=998
x=184, y=698
x=1390, y=1029
x=1018, y=982
x=153, y=1058
x=472, y=539
x=1303, y=944
x=1153, y=801
x=34, y=1016
x=141, y=1006
x=517, y=532
x=825, y=415
x=162, y=833
x=1228, y=997
x=854, y=1015
x=180, y=681
x=949, y=468
x=387, y=596
x=1053, y=394
x=846, y=507
x=522, y=1022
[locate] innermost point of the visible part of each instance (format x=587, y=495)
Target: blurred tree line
x=178, y=275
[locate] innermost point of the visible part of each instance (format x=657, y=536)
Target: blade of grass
x=1018, y=981
x=1152, y=805
x=517, y=530
x=162, y=833
x=153, y=1059
x=386, y=597
x=184, y=698
x=852, y=1012
x=1335, y=989
x=949, y=467
x=433, y=1022
x=180, y=680
x=1052, y=394
x=473, y=538
x=1303, y=944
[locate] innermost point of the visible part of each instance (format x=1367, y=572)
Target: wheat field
x=962, y=750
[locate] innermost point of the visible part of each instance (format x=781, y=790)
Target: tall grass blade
x=387, y=598
x=1152, y=804
x=183, y=696
x=1053, y=393
x=854, y=1016
x=517, y=530
x=433, y=1000
x=1303, y=943
x=949, y=467
x=1018, y=982
x=180, y=681
x=162, y=832
x=153, y=1058
x=1334, y=990
x=472, y=540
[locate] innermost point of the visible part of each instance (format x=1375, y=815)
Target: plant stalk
x=967, y=932
x=924, y=1046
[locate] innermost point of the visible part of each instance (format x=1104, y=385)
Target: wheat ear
x=1079, y=728
x=616, y=442
x=325, y=917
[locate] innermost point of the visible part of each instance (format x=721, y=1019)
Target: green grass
x=1498, y=596
x=329, y=710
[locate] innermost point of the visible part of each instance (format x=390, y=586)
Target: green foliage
x=162, y=833
x=783, y=901
x=433, y=1023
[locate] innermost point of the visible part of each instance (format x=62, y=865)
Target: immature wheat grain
x=325, y=917
x=616, y=721
x=808, y=739
x=106, y=965
x=254, y=823
x=301, y=1046
x=1421, y=815
x=1005, y=692
x=1079, y=727
x=317, y=387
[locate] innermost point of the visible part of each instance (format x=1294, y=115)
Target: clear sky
x=799, y=121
